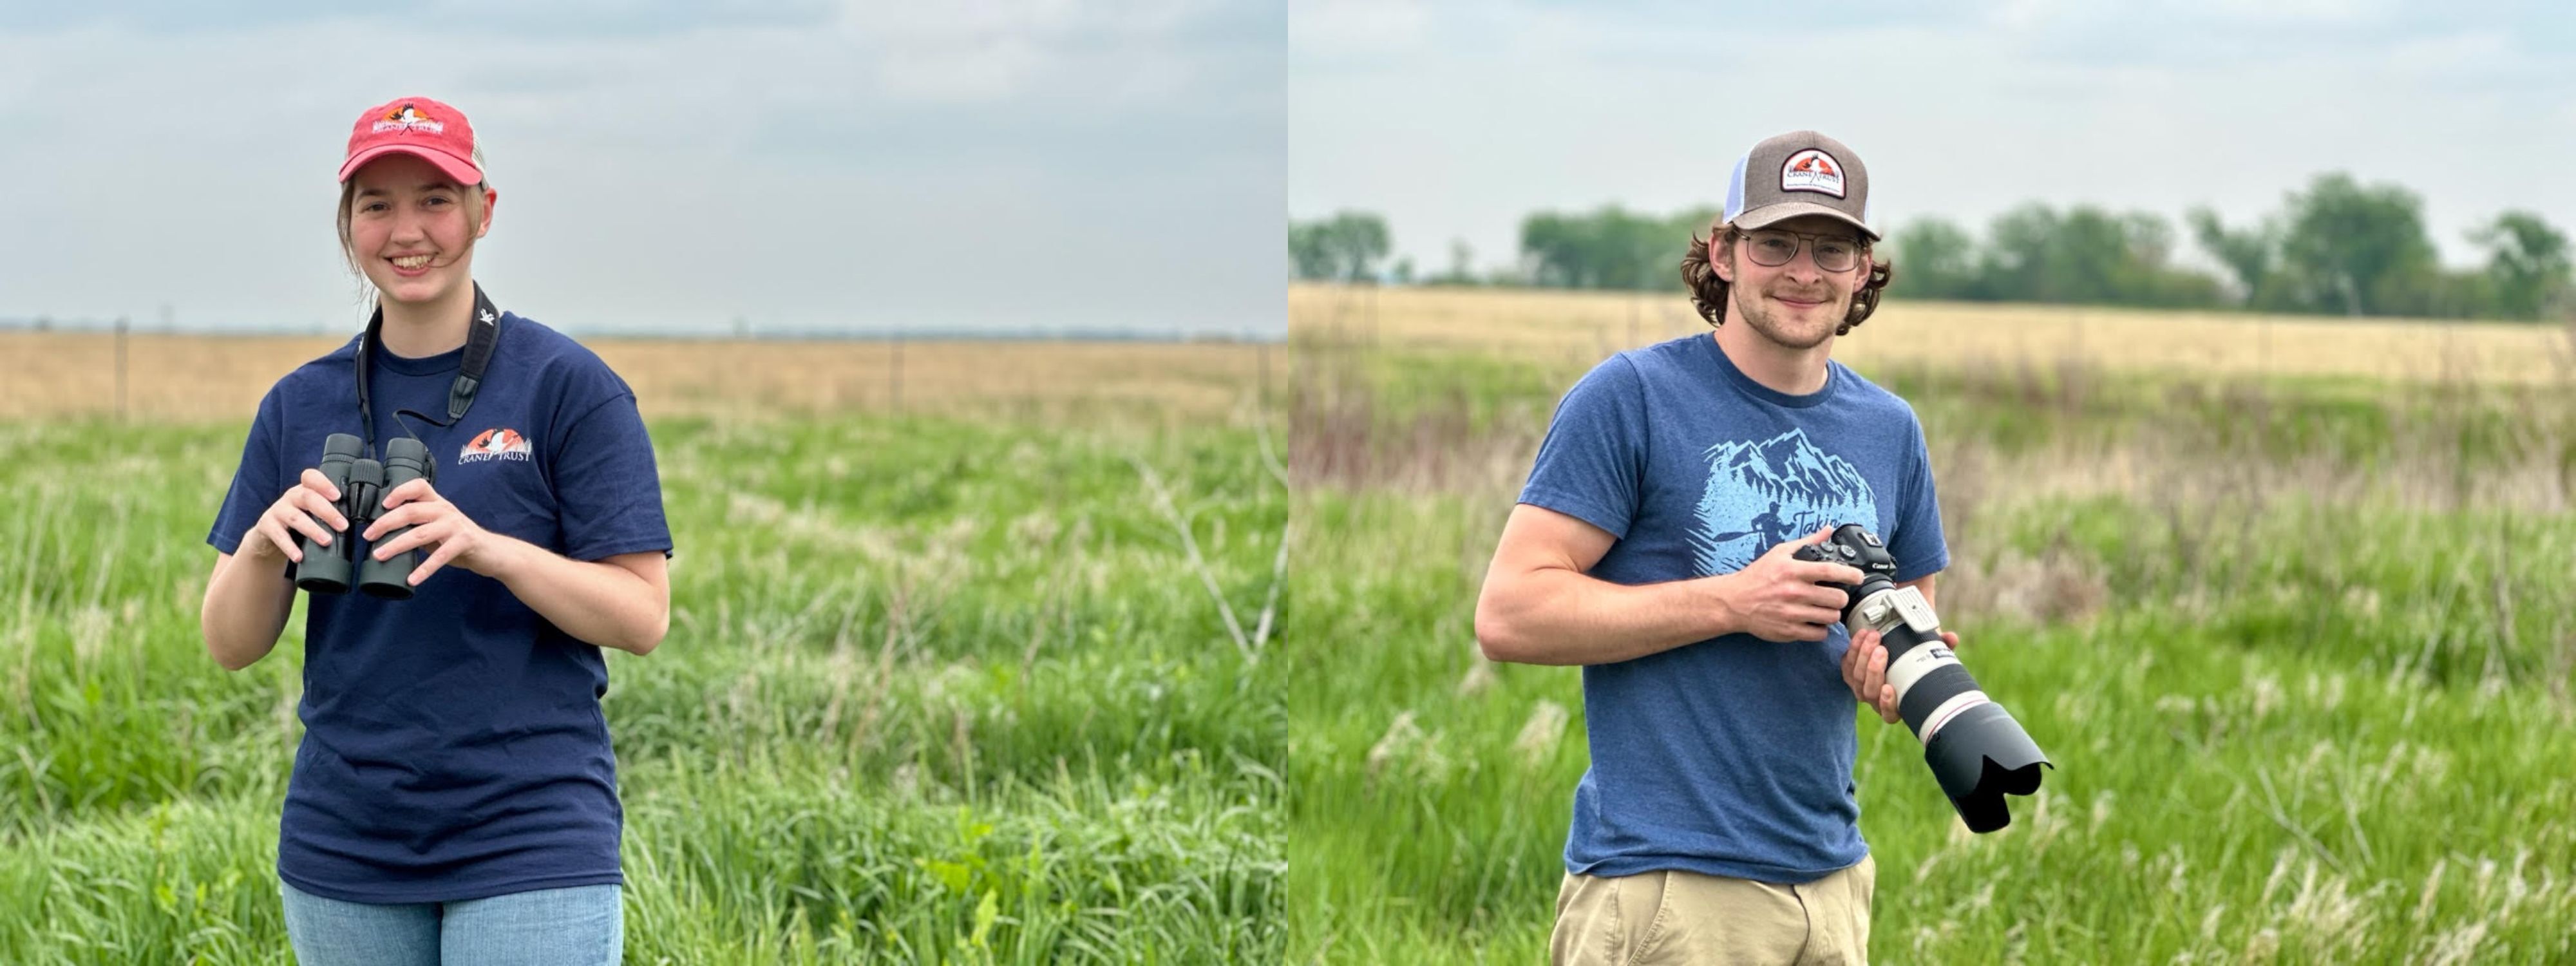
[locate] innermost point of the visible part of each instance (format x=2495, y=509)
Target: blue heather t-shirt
x=453, y=745
x=1731, y=756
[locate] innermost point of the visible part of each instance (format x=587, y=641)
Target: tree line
x=2337, y=247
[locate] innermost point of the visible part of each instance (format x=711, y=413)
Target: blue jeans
x=580, y=926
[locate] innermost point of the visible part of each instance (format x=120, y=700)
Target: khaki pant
x=1686, y=917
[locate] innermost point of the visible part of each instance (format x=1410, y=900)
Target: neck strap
x=482, y=332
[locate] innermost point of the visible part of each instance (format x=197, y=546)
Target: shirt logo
x=1812, y=170
x=497, y=444
x=409, y=118
x=1762, y=493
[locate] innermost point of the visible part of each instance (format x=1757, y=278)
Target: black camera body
x=1977, y=751
x=363, y=484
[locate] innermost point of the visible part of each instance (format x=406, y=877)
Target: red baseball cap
x=415, y=125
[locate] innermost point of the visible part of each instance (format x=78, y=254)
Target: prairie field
x=202, y=378
x=1569, y=325
x=2295, y=630
x=986, y=675
x=980, y=653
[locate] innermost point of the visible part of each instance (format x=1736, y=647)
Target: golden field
x=1588, y=325
x=221, y=378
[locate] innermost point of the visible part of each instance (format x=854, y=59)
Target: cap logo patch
x=1812, y=170
x=409, y=118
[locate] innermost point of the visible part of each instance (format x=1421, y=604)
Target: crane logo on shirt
x=1762, y=494
x=496, y=444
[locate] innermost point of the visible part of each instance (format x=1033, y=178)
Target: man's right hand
x=1776, y=597
x=304, y=511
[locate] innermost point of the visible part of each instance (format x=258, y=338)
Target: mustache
x=1825, y=294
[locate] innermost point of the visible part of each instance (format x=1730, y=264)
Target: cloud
x=1521, y=106
x=1327, y=29
x=800, y=164
x=554, y=19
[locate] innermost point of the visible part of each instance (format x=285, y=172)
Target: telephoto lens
x=1977, y=751
x=325, y=570
x=406, y=460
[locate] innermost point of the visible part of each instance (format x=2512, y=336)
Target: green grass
x=2314, y=725
x=951, y=691
x=935, y=691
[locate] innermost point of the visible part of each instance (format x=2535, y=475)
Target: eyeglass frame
x=1805, y=239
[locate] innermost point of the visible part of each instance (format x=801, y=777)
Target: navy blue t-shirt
x=453, y=745
x=1730, y=756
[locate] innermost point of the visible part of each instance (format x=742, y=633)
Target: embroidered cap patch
x=1812, y=170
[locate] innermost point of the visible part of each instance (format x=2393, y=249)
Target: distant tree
x=1570, y=251
x=2527, y=265
x=2085, y=255
x=2358, y=250
x=1462, y=266
x=1346, y=247
x=2016, y=264
x=1310, y=250
x=1402, y=274
x=1936, y=260
x=2250, y=254
x=1609, y=248
x=1360, y=241
x=1664, y=270
x=2465, y=294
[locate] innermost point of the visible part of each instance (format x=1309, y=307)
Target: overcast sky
x=1455, y=118
x=986, y=165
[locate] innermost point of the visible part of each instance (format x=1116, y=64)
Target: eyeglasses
x=1772, y=248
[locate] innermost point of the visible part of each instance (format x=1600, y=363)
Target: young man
x=1652, y=546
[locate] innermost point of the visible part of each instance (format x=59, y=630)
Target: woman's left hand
x=432, y=520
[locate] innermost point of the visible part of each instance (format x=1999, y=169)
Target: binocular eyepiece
x=1977, y=751
x=363, y=484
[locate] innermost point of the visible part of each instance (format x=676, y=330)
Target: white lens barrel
x=1904, y=619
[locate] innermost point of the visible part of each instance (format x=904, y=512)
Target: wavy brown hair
x=1708, y=292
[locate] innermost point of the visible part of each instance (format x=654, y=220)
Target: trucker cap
x=1798, y=173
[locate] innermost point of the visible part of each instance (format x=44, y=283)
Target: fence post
x=120, y=368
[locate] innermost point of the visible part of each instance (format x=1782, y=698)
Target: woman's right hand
x=305, y=510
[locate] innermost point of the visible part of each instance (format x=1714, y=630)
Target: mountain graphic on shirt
x=1766, y=493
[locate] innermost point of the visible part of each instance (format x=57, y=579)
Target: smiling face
x=410, y=229
x=1797, y=305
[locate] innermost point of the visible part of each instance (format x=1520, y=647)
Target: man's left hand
x=1865, y=671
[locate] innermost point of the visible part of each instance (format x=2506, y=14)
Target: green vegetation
x=935, y=691
x=2338, y=247
x=2301, y=652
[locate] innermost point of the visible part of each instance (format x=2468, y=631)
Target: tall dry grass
x=190, y=378
x=1556, y=324
x=2292, y=630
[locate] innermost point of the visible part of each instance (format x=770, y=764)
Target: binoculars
x=1977, y=751
x=363, y=484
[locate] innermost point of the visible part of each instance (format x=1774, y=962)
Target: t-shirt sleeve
x=1592, y=464
x=1919, y=546
x=257, y=481
x=608, y=495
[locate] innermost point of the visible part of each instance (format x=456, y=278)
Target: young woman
x=454, y=799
